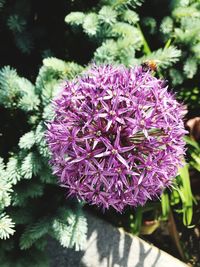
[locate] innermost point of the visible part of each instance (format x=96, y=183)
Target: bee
x=150, y=65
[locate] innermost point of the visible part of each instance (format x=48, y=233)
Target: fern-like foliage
x=6, y=223
x=130, y=16
x=16, y=91
x=183, y=27
x=24, y=42
x=8, y=86
x=34, y=232
x=22, y=195
x=71, y=230
x=119, y=4
x=166, y=26
x=90, y=24
x=5, y=187
x=75, y=18
x=13, y=170
x=27, y=140
x=165, y=57
x=30, y=166
x=17, y=18
x=190, y=67
x=51, y=74
x=115, y=23
x=107, y=15
x=2, y=3
x=27, y=184
x=6, y=226
x=16, y=24
x=176, y=76
x=67, y=70
x=150, y=24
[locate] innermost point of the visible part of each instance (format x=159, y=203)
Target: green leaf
x=174, y=197
x=136, y=221
x=191, y=142
x=196, y=163
x=186, y=195
x=165, y=205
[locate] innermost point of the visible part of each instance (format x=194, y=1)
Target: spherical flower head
x=117, y=136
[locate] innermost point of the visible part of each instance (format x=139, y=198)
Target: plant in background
x=182, y=27
x=27, y=27
x=6, y=223
x=15, y=18
x=114, y=25
x=117, y=136
x=29, y=193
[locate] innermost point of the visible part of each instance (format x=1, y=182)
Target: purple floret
x=117, y=136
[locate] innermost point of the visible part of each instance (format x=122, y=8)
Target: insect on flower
x=150, y=65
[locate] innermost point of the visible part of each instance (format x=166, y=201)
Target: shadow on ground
x=108, y=247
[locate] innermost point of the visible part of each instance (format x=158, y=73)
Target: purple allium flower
x=117, y=136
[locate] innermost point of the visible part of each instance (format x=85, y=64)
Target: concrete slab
x=108, y=246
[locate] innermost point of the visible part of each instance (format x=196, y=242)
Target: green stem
x=168, y=43
x=147, y=49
